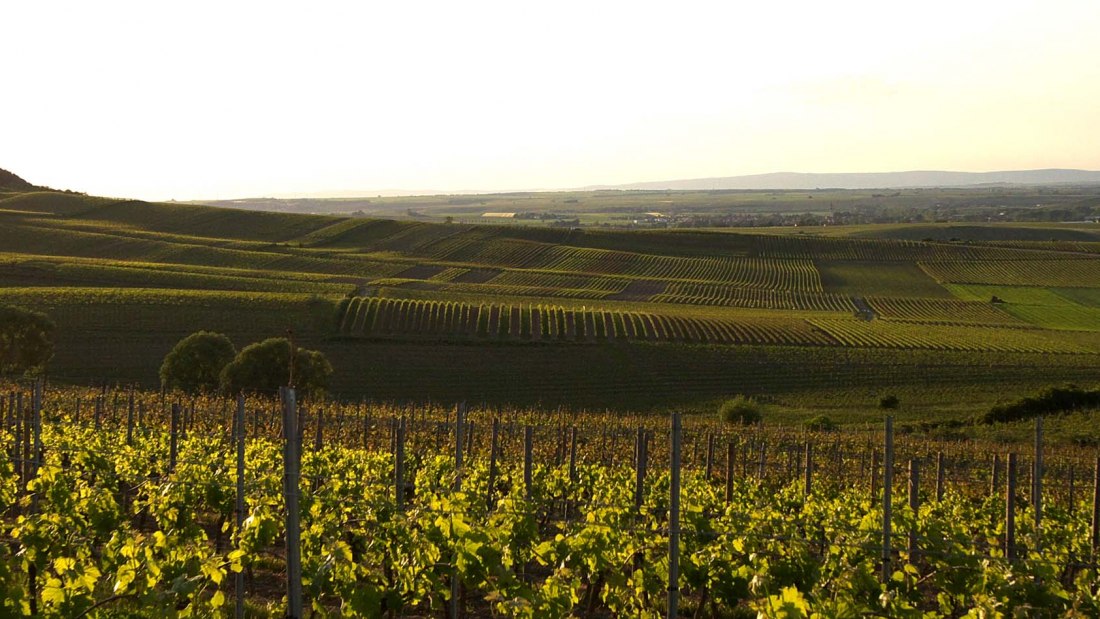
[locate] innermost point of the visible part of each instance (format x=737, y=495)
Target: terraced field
x=125, y=279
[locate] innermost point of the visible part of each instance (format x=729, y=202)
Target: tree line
x=207, y=362
x=203, y=362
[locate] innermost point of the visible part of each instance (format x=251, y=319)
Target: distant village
x=654, y=219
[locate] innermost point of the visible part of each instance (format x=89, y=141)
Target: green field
x=827, y=320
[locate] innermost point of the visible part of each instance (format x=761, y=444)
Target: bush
x=195, y=364
x=264, y=367
x=889, y=402
x=26, y=340
x=821, y=423
x=1050, y=400
x=740, y=410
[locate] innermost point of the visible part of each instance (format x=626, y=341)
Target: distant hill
x=880, y=180
x=11, y=182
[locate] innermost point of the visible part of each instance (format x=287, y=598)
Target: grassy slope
x=1050, y=308
x=254, y=275
x=879, y=279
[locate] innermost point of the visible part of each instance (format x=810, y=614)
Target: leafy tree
x=265, y=366
x=740, y=410
x=196, y=363
x=26, y=340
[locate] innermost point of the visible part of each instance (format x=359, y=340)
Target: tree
x=196, y=363
x=26, y=340
x=265, y=366
x=740, y=410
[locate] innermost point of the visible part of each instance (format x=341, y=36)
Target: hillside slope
x=11, y=182
x=593, y=317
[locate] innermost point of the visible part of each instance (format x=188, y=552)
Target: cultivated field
x=596, y=318
x=488, y=448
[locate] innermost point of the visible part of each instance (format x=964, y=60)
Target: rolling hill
x=597, y=318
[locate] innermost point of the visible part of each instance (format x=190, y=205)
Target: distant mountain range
x=878, y=180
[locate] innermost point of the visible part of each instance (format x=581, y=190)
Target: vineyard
x=875, y=250
x=144, y=505
x=1081, y=273
x=527, y=322
x=733, y=296
x=1069, y=309
x=126, y=279
x=946, y=336
x=943, y=310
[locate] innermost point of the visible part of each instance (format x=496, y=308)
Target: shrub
x=821, y=423
x=1050, y=400
x=740, y=410
x=889, y=402
x=196, y=362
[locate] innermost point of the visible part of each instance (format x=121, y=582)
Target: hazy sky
x=192, y=99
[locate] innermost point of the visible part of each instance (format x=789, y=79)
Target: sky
x=233, y=99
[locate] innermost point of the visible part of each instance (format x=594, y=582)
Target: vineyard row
x=100, y=513
x=375, y=317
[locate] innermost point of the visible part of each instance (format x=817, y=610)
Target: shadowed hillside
x=11, y=182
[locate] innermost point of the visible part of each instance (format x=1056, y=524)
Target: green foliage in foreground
x=195, y=364
x=771, y=549
x=267, y=365
x=26, y=340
